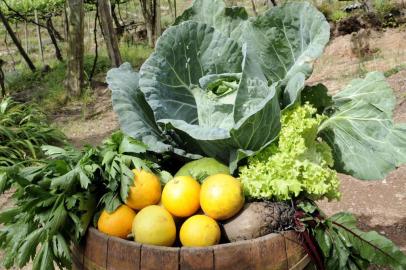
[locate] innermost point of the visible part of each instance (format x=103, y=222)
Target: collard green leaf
x=287, y=39
x=293, y=90
x=216, y=14
x=135, y=115
x=373, y=89
x=184, y=54
x=361, y=132
x=370, y=246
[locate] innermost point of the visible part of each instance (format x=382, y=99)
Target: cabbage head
x=218, y=80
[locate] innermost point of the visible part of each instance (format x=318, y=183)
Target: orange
x=181, y=196
x=199, y=231
x=154, y=225
x=146, y=190
x=221, y=196
x=118, y=223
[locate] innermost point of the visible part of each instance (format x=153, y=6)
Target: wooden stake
x=39, y=37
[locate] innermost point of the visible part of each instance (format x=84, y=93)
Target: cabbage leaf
x=366, y=143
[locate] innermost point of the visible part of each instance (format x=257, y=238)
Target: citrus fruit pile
x=183, y=209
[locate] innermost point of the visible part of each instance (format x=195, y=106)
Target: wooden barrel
x=273, y=251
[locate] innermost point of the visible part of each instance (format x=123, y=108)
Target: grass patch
x=47, y=89
x=135, y=54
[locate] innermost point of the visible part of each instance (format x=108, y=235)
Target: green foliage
x=338, y=15
x=56, y=198
x=47, y=89
x=299, y=164
x=168, y=105
x=383, y=7
x=120, y=155
x=54, y=202
x=135, y=54
x=23, y=129
x=344, y=246
x=27, y=7
x=365, y=140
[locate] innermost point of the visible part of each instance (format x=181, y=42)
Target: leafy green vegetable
x=54, y=203
x=216, y=14
x=121, y=154
x=365, y=141
x=298, y=163
x=286, y=39
x=56, y=198
x=344, y=246
x=212, y=86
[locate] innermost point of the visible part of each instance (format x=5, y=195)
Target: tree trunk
x=119, y=26
x=75, y=25
x=16, y=42
x=158, y=29
x=152, y=16
x=53, y=39
x=109, y=33
x=96, y=48
x=39, y=37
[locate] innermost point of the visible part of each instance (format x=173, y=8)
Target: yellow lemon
x=199, y=231
x=221, y=196
x=180, y=196
x=154, y=225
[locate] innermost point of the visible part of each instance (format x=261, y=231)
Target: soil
x=379, y=205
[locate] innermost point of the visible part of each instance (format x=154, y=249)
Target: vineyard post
x=39, y=36
x=26, y=35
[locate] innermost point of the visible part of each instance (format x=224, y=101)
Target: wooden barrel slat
x=271, y=252
x=77, y=257
x=159, y=258
x=123, y=254
x=294, y=248
x=263, y=253
x=96, y=250
x=196, y=259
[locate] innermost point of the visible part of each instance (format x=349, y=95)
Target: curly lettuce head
x=299, y=163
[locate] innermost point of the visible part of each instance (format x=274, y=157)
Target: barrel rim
x=266, y=237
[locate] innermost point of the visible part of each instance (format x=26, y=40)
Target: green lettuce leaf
x=365, y=141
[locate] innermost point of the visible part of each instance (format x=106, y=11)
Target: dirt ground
x=379, y=205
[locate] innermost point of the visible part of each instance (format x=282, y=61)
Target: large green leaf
x=361, y=132
x=244, y=119
x=216, y=14
x=135, y=115
x=184, y=54
x=287, y=39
